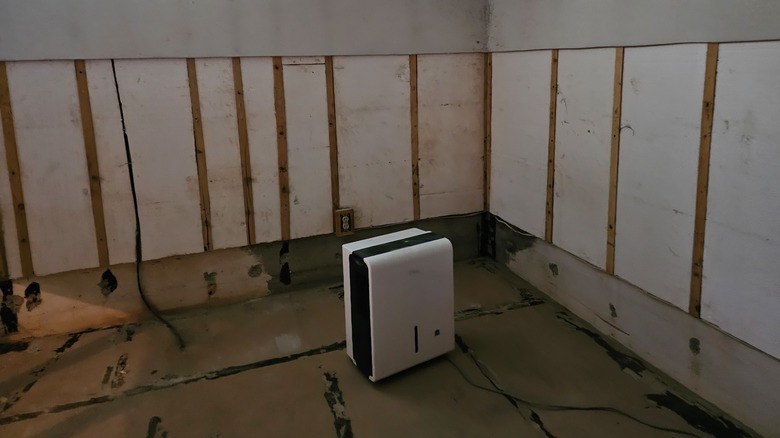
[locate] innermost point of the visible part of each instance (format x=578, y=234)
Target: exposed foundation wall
x=229, y=152
x=656, y=166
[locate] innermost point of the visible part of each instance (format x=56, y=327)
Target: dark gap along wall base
x=94, y=298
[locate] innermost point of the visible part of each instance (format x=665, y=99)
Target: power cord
x=513, y=228
x=552, y=407
x=138, y=251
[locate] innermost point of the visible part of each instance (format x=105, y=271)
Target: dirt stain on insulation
x=694, y=345
x=285, y=275
x=108, y=283
x=211, y=282
x=255, y=271
x=32, y=295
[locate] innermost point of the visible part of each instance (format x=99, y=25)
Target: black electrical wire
x=138, y=250
x=553, y=407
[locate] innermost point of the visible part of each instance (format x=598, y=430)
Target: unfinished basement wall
x=232, y=158
x=207, y=156
x=616, y=157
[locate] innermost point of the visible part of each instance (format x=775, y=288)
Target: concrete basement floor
x=277, y=366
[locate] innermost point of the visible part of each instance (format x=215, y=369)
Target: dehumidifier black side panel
x=361, y=314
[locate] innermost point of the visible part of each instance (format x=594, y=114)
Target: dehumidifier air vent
x=399, y=305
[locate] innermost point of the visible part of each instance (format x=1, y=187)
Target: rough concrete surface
x=277, y=366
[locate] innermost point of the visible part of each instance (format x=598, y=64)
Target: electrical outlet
x=344, y=221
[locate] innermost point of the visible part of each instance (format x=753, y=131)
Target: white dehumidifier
x=399, y=301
